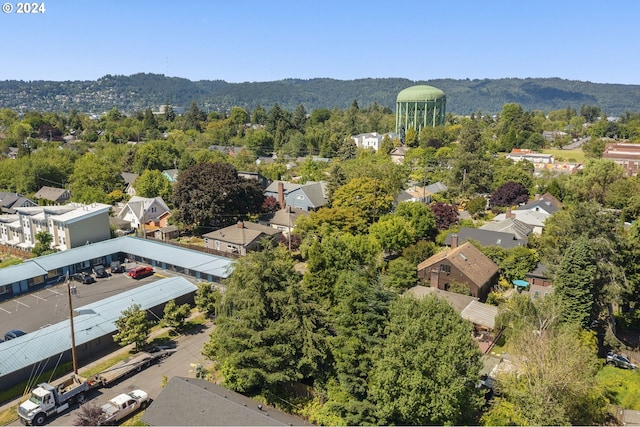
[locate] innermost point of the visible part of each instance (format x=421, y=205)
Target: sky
x=268, y=40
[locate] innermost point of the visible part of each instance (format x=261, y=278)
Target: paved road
x=189, y=347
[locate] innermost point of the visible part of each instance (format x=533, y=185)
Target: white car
x=124, y=405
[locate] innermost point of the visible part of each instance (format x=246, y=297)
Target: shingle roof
x=51, y=193
x=242, y=235
x=287, y=218
x=487, y=238
x=480, y=314
x=197, y=402
x=472, y=263
x=514, y=226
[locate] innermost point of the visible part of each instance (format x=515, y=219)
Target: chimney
x=507, y=214
x=435, y=278
x=281, y=201
x=240, y=224
x=537, y=197
x=454, y=241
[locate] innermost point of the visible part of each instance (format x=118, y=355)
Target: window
x=445, y=268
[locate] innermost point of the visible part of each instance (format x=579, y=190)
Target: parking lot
x=30, y=312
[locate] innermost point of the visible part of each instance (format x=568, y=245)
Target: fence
x=197, y=248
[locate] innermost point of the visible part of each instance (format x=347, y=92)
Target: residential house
x=284, y=219
x=241, y=238
x=167, y=233
x=58, y=196
x=531, y=215
x=462, y=264
x=482, y=316
x=264, y=182
x=197, y=402
x=148, y=213
x=505, y=240
x=226, y=149
x=170, y=174
x=626, y=155
x=539, y=276
x=308, y=197
x=9, y=202
x=371, y=140
x=130, y=181
x=398, y=153
x=70, y=225
x=425, y=193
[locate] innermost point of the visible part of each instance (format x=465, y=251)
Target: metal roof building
x=46, y=270
x=418, y=107
x=93, y=323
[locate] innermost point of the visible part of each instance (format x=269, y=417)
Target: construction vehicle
x=47, y=400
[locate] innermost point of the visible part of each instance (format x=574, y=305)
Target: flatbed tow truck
x=47, y=400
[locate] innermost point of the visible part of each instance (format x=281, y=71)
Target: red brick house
x=462, y=264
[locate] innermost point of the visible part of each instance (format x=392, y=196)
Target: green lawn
x=567, y=155
x=622, y=386
x=7, y=260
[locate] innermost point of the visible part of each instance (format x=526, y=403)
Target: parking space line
x=20, y=302
x=6, y=311
x=54, y=291
x=39, y=297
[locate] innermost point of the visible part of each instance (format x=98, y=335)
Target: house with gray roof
x=58, y=196
x=241, y=238
x=171, y=174
x=151, y=211
x=10, y=201
x=309, y=197
x=285, y=219
x=486, y=238
x=197, y=402
x=129, y=181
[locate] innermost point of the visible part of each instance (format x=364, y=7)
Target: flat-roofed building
x=626, y=155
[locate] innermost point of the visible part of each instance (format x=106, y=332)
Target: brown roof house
x=240, y=238
x=462, y=264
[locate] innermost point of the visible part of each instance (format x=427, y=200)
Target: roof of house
x=287, y=217
x=468, y=259
x=529, y=217
x=315, y=191
x=51, y=193
x=243, y=233
x=436, y=187
x=457, y=301
x=513, y=226
x=480, y=314
x=487, y=238
x=129, y=177
x=140, y=205
x=540, y=205
x=197, y=402
x=399, y=151
x=10, y=201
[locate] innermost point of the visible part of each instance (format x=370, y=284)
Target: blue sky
x=266, y=40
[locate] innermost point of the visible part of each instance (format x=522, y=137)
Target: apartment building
x=70, y=225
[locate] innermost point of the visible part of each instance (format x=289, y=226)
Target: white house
x=370, y=140
x=143, y=210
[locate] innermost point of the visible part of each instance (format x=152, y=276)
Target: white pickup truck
x=123, y=405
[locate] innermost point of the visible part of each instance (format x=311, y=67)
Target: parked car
x=619, y=361
x=117, y=267
x=14, y=333
x=100, y=271
x=84, y=278
x=140, y=272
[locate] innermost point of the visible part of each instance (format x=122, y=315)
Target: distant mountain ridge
x=143, y=90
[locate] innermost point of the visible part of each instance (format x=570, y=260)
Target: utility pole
x=73, y=334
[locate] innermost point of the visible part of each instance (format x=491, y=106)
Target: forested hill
x=140, y=91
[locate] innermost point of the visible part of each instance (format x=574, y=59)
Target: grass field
x=567, y=155
x=622, y=386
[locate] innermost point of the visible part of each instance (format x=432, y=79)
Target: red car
x=140, y=272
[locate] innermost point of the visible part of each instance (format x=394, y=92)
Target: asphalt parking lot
x=32, y=311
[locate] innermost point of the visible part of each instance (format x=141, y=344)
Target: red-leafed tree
x=509, y=194
x=446, y=215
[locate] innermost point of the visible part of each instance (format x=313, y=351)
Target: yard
x=576, y=156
